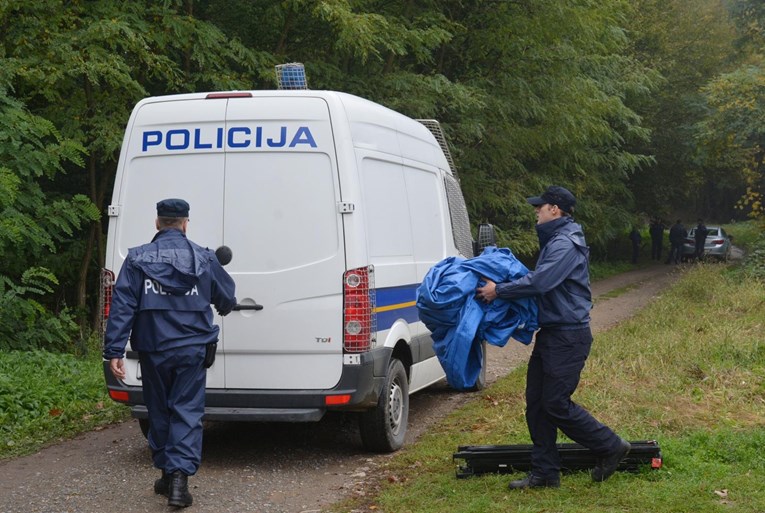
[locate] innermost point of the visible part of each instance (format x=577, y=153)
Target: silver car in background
x=718, y=244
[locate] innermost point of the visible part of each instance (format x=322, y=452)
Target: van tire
x=144, y=425
x=383, y=428
x=480, y=382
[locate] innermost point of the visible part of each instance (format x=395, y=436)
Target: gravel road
x=264, y=468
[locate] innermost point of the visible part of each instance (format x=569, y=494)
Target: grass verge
x=48, y=396
x=688, y=371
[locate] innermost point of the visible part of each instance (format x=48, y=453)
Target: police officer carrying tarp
x=161, y=301
x=561, y=284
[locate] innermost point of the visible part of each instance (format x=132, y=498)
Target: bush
x=27, y=324
x=44, y=396
x=754, y=264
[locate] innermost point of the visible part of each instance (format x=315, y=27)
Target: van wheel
x=480, y=383
x=383, y=428
x=144, y=425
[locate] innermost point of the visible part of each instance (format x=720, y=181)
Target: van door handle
x=256, y=306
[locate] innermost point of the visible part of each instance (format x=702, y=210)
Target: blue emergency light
x=291, y=76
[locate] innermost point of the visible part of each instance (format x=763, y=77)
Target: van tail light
x=105, y=298
x=359, y=317
x=119, y=395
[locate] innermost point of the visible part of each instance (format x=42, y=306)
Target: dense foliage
x=626, y=102
x=44, y=396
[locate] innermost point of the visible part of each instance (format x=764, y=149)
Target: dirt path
x=262, y=467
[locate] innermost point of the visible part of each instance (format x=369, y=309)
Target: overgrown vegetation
x=688, y=371
x=46, y=396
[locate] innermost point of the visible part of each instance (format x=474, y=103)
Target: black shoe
x=607, y=466
x=532, y=481
x=162, y=485
x=178, y=494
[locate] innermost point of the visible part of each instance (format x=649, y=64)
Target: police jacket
x=163, y=294
x=677, y=234
x=458, y=322
x=701, y=233
x=561, y=280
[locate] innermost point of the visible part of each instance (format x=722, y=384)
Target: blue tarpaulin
x=459, y=322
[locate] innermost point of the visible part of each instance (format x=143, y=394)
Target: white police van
x=334, y=208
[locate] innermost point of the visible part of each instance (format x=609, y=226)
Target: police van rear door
x=172, y=150
x=281, y=220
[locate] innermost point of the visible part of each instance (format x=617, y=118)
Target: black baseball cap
x=555, y=195
x=173, y=207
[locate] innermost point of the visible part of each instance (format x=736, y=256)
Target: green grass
x=602, y=270
x=616, y=292
x=688, y=371
x=48, y=396
x=744, y=234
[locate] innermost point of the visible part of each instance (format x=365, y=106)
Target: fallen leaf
x=723, y=494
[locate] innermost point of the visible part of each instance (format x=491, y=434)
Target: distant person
x=162, y=303
x=561, y=284
x=656, y=230
x=636, y=239
x=700, y=237
x=677, y=234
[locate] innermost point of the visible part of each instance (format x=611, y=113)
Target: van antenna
x=435, y=129
x=291, y=76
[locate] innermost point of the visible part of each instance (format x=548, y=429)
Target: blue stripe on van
x=396, y=303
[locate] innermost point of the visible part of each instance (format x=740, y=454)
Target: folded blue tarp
x=459, y=322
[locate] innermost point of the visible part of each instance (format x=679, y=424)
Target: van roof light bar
x=291, y=76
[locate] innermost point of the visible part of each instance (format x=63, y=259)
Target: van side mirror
x=224, y=255
x=487, y=236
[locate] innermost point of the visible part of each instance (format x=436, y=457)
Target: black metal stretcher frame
x=507, y=459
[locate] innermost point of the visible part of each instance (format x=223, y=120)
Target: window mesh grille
x=459, y=216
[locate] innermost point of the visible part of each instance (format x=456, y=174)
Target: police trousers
x=553, y=375
x=174, y=392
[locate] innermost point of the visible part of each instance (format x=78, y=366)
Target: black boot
x=533, y=481
x=179, y=495
x=608, y=465
x=162, y=485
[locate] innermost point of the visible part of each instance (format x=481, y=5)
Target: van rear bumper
x=362, y=382
x=250, y=414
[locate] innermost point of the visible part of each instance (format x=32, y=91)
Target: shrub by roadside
x=45, y=396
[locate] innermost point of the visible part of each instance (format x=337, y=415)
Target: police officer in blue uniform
x=561, y=284
x=161, y=302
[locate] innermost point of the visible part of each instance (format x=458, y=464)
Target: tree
x=689, y=43
x=529, y=92
x=83, y=65
x=32, y=225
x=732, y=136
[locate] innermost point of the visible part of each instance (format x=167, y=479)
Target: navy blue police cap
x=555, y=195
x=172, y=207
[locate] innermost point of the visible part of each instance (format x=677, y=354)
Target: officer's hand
x=488, y=292
x=117, y=366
